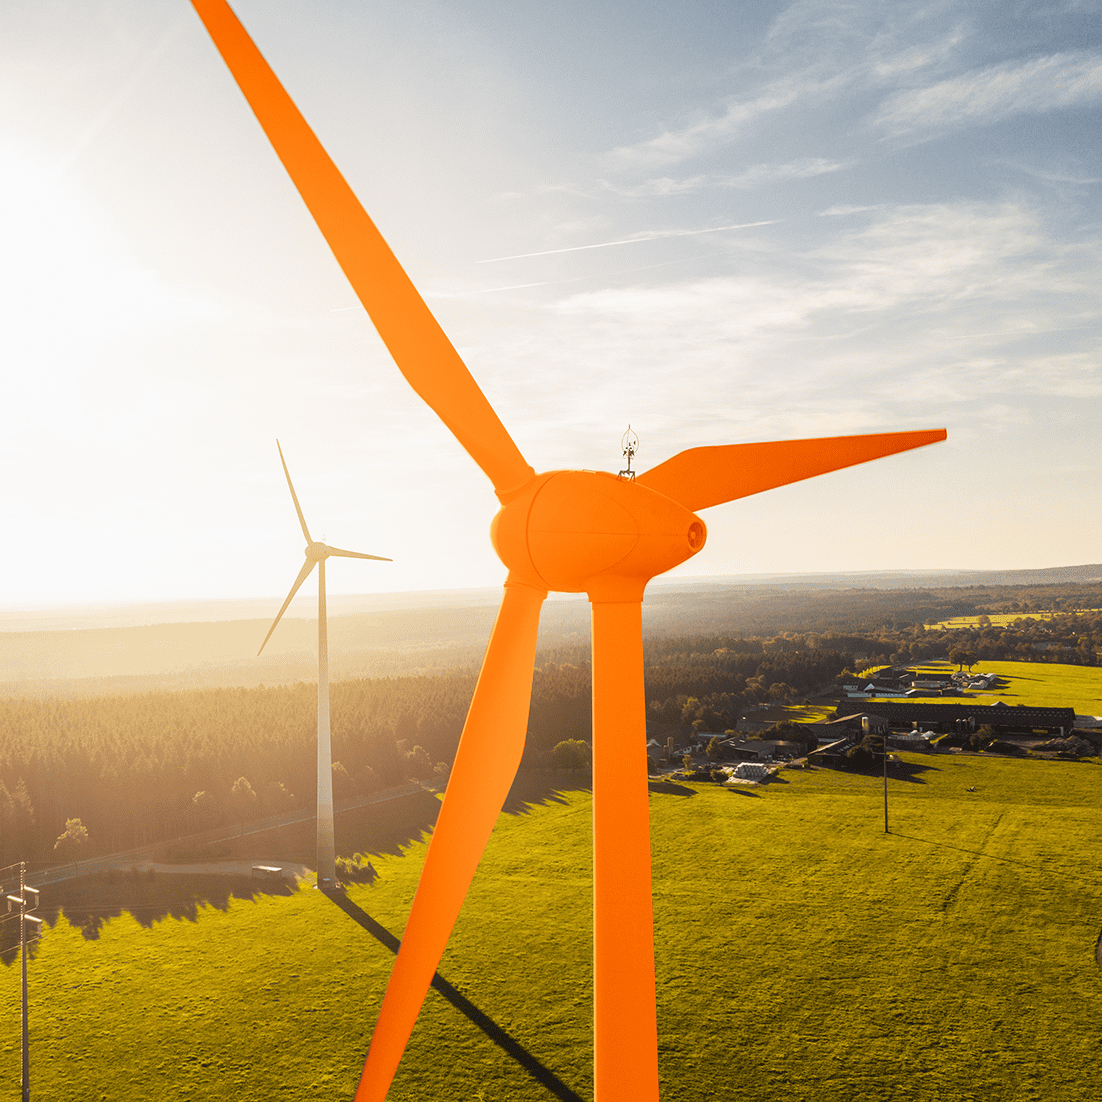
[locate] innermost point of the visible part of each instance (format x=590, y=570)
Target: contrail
x=632, y=240
x=123, y=93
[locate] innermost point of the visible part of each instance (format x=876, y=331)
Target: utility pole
x=884, y=736
x=24, y=917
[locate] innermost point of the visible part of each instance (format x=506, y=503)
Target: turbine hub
x=591, y=532
x=316, y=551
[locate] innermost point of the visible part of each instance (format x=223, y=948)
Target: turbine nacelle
x=591, y=532
x=316, y=551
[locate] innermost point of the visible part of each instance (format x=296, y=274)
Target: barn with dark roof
x=948, y=717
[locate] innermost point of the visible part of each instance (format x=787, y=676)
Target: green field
x=802, y=954
x=1036, y=684
x=996, y=619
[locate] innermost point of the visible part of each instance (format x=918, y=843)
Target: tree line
x=140, y=768
x=144, y=767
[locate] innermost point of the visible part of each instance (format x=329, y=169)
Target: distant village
x=875, y=710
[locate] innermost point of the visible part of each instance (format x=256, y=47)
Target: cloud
x=995, y=93
x=815, y=52
x=677, y=145
x=842, y=210
x=748, y=178
x=899, y=321
x=635, y=238
x=1052, y=175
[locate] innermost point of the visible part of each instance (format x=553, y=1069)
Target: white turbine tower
x=316, y=554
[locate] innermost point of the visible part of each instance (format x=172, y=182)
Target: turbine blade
x=485, y=765
x=294, y=497
x=355, y=555
x=303, y=574
x=419, y=346
x=625, y=1027
x=702, y=477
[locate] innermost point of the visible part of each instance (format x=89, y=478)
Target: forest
x=144, y=767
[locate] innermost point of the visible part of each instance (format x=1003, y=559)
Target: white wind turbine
x=316, y=554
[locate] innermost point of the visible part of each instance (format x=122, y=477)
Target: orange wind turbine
x=566, y=531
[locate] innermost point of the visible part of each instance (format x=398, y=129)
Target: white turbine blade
x=303, y=574
x=355, y=554
x=294, y=498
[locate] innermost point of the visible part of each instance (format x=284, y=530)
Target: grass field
x=1001, y=619
x=1035, y=683
x=996, y=619
x=802, y=955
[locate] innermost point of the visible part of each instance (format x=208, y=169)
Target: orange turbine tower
x=566, y=531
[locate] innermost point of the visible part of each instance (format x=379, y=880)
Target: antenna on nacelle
x=629, y=444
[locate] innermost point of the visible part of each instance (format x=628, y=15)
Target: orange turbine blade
x=485, y=765
x=419, y=346
x=625, y=1028
x=702, y=477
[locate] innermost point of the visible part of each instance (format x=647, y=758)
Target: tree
x=419, y=764
x=961, y=657
x=243, y=799
x=73, y=842
x=869, y=751
x=713, y=749
x=18, y=811
x=342, y=782
x=689, y=709
x=981, y=739
x=571, y=754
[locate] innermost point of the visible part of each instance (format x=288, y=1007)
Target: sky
x=715, y=222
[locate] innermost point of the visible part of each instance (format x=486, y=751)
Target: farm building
x=833, y=753
x=947, y=717
x=833, y=729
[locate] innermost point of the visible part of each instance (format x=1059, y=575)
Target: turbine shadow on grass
x=671, y=788
x=543, y=1075
x=898, y=770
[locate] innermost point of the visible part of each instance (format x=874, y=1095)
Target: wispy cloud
x=676, y=145
x=995, y=93
x=748, y=178
x=816, y=51
x=941, y=301
x=842, y=211
x=647, y=235
x=1055, y=176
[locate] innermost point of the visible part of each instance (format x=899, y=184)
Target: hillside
x=214, y=644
